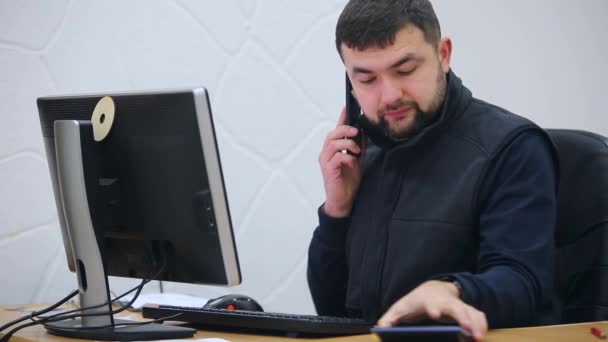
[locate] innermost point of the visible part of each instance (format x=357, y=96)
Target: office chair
x=582, y=225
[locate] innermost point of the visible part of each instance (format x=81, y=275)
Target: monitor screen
x=154, y=185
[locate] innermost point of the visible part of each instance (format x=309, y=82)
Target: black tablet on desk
x=428, y=333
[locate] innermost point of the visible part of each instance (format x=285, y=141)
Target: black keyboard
x=243, y=321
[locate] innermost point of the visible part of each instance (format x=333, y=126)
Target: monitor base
x=146, y=332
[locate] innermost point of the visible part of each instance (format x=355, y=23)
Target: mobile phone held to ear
x=352, y=106
x=434, y=333
x=353, y=111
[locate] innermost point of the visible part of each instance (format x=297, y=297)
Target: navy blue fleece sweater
x=511, y=260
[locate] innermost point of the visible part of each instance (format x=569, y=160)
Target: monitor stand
x=76, y=151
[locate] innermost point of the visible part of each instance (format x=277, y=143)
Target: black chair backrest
x=582, y=225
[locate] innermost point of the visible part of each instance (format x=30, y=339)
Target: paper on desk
x=174, y=299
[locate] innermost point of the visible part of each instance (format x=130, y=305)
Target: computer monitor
x=150, y=192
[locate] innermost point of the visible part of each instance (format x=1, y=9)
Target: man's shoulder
x=489, y=127
x=488, y=113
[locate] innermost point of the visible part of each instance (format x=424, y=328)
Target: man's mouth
x=398, y=114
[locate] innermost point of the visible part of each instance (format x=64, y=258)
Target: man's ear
x=444, y=50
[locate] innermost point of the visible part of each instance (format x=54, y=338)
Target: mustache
x=398, y=105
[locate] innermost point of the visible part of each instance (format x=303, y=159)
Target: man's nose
x=391, y=92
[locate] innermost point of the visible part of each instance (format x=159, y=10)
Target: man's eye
x=406, y=72
x=367, y=81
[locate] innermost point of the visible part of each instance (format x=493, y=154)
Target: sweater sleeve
x=327, y=271
x=513, y=284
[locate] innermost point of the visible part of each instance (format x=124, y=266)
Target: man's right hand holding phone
x=341, y=165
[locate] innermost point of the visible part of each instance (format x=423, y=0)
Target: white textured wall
x=276, y=88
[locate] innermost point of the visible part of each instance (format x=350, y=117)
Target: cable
x=69, y=314
x=119, y=303
x=8, y=335
x=41, y=312
x=125, y=324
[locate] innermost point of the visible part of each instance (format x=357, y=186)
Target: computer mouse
x=233, y=302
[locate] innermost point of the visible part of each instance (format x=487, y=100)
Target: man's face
x=401, y=86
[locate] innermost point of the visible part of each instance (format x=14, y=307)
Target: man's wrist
x=453, y=286
x=458, y=287
x=335, y=212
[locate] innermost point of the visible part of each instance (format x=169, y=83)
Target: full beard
x=421, y=118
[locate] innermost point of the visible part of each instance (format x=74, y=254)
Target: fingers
x=340, y=132
x=335, y=142
x=342, y=118
x=391, y=318
x=392, y=315
x=387, y=320
x=480, y=324
x=465, y=315
x=342, y=159
x=338, y=140
x=434, y=300
x=459, y=313
x=342, y=128
x=400, y=312
x=337, y=146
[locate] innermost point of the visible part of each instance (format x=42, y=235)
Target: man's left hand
x=437, y=300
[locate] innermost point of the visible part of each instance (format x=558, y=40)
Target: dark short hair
x=375, y=23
